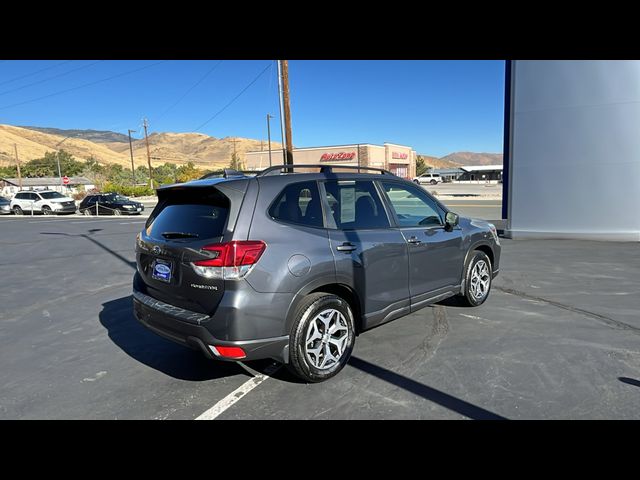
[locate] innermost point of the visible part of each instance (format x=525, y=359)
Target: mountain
x=97, y=136
x=204, y=151
x=471, y=158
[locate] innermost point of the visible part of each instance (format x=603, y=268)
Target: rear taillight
x=230, y=260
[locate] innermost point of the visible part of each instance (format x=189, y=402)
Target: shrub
x=79, y=196
x=128, y=190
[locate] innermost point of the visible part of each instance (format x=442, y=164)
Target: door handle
x=346, y=247
x=414, y=240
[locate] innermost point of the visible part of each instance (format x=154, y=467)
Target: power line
x=189, y=90
x=82, y=86
x=234, y=98
x=50, y=78
x=34, y=73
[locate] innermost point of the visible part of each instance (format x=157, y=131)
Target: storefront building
x=398, y=159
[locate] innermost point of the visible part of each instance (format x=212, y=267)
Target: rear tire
x=478, y=279
x=322, y=337
x=17, y=210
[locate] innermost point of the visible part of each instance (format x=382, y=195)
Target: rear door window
x=355, y=204
x=298, y=203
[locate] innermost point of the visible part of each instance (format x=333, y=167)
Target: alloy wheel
x=326, y=340
x=480, y=280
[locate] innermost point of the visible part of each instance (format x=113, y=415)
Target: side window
x=413, y=207
x=19, y=196
x=298, y=203
x=92, y=200
x=35, y=197
x=355, y=204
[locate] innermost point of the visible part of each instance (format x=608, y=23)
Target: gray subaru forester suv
x=293, y=263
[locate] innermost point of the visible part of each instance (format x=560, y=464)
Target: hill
x=204, y=151
x=471, y=158
x=97, y=136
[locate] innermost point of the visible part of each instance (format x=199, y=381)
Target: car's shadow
x=156, y=352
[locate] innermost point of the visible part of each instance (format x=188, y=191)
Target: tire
x=475, y=266
x=117, y=212
x=433, y=182
x=416, y=182
x=17, y=210
x=86, y=212
x=46, y=210
x=308, y=321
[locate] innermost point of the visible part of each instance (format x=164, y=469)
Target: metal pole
x=287, y=111
x=15, y=146
x=269, y=136
x=133, y=170
x=284, y=158
x=146, y=138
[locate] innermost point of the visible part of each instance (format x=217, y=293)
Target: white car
x=432, y=178
x=46, y=202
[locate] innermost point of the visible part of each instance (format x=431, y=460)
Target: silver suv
x=293, y=266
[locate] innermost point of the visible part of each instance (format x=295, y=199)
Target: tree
x=235, y=164
x=421, y=166
x=47, y=166
x=188, y=172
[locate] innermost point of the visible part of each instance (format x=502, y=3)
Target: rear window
x=188, y=214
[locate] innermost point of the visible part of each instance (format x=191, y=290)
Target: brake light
x=231, y=260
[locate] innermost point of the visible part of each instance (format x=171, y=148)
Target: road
x=477, y=208
x=559, y=337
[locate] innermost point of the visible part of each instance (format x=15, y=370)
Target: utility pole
x=287, y=111
x=284, y=158
x=15, y=146
x=146, y=138
x=133, y=169
x=269, y=136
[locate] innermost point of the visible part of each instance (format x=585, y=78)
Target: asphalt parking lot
x=559, y=337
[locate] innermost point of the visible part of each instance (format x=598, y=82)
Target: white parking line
x=238, y=393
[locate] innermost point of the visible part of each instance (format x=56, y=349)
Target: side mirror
x=451, y=219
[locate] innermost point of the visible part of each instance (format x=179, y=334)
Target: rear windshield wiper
x=179, y=235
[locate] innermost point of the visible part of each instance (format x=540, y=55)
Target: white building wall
x=575, y=150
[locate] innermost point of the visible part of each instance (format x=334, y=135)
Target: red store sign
x=337, y=156
x=402, y=156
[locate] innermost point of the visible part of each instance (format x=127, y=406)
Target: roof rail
x=323, y=168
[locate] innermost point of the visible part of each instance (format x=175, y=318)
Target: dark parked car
x=292, y=266
x=109, y=204
x=5, y=206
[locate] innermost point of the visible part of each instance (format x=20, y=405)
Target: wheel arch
x=339, y=289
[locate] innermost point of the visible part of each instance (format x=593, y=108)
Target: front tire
x=478, y=278
x=117, y=212
x=46, y=210
x=433, y=182
x=322, y=337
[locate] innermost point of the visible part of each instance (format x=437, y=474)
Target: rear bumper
x=185, y=327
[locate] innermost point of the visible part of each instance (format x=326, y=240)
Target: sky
x=436, y=107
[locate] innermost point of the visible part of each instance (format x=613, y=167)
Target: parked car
x=5, y=206
x=293, y=266
x=47, y=202
x=109, y=204
x=431, y=178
